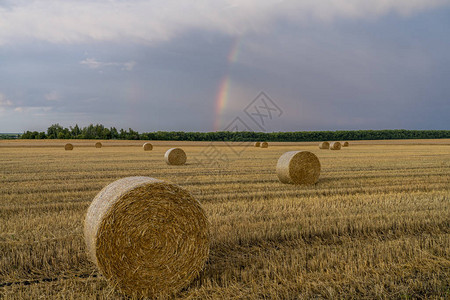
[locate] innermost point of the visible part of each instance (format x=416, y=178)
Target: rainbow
x=224, y=86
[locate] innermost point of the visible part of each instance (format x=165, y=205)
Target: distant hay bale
x=257, y=144
x=345, y=144
x=98, y=145
x=68, y=146
x=324, y=145
x=298, y=167
x=148, y=238
x=335, y=146
x=148, y=147
x=264, y=145
x=175, y=156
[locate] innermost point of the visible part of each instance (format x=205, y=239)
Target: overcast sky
x=195, y=65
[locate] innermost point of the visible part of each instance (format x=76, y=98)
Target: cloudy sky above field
x=195, y=65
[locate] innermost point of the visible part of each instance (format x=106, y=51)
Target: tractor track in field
x=42, y=280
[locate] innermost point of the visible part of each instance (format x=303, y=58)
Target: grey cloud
x=92, y=63
x=52, y=96
x=158, y=21
x=391, y=73
x=5, y=103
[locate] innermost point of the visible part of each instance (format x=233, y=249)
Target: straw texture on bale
x=298, y=167
x=335, y=146
x=257, y=144
x=345, y=144
x=98, y=145
x=324, y=145
x=148, y=147
x=264, y=145
x=68, y=146
x=148, y=238
x=175, y=156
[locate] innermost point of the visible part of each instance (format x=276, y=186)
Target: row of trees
x=98, y=131
x=8, y=136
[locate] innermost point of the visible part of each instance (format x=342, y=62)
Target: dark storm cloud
x=166, y=86
x=358, y=67
x=357, y=75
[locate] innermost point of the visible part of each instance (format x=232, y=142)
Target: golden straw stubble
x=298, y=167
x=148, y=237
x=175, y=156
x=147, y=146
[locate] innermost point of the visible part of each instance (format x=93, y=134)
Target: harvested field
x=376, y=225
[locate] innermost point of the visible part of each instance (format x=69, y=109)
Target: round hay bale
x=298, y=167
x=147, y=147
x=345, y=144
x=264, y=145
x=335, y=146
x=68, y=146
x=324, y=145
x=257, y=144
x=175, y=156
x=148, y=238
x=98, y=145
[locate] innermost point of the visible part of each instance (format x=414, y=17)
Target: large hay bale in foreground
x=264, y=145
x=257, y=144
x=345, y=144
x=298, y=167
x=147, y=237
x=68, y=146
x=324, y=145
x=98, y=145
x=147, y=147
x=335, y=146
x=175, y=156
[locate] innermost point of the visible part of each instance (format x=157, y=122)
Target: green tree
x=53, y=130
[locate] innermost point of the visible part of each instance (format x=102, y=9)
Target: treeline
x=8, y=136
x=98, y=131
